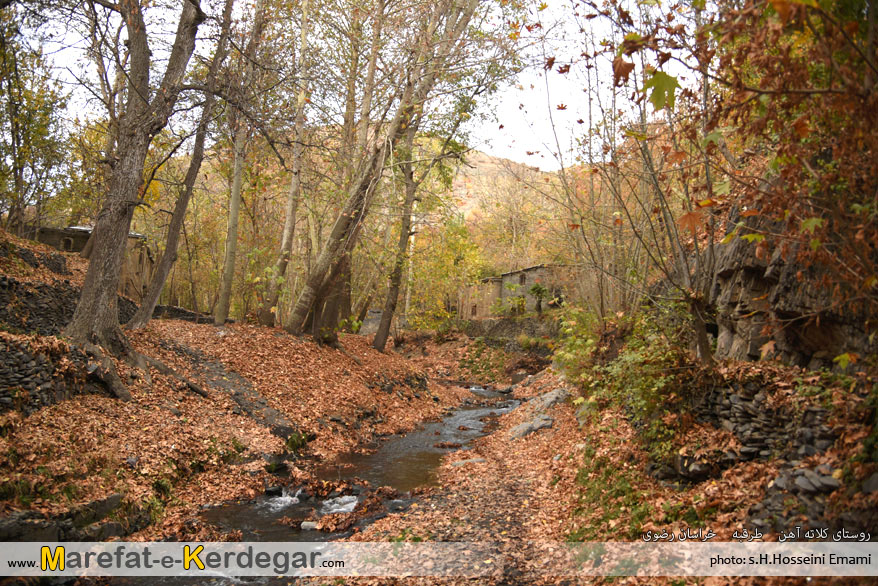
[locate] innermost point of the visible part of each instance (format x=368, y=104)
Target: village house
x=137, y=265
x=493, y=294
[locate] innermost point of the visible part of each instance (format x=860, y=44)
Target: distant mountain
x=481, y=174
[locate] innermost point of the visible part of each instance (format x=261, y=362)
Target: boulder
x=540, y=421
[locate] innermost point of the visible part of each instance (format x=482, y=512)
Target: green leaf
x=815, y=244
x=811, y=224
x=729, y=237
x=843, y=359
x=634, y=134
x=722, y=188
x=713, y=137
x=663, y=87
x=753, y=237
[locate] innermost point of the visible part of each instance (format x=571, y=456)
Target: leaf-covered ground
x=171, y=450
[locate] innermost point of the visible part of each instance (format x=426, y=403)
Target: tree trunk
x=96, y=318
x=383, y=332
x=221, y=312
x=169, y=256
x=422, y=71
x=325, y=325
x=354, y=209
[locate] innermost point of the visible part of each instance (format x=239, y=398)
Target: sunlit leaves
x=811, y=224
x=843, y=360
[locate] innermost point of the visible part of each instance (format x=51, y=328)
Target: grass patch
x=609, y=491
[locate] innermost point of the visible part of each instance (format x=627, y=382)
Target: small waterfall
x=279, y=503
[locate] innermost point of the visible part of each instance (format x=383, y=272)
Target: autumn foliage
x=811, y=102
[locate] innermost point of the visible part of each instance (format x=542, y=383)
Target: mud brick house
x=137, y=266
x=482, y=299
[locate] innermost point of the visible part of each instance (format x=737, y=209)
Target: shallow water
x=402, y=462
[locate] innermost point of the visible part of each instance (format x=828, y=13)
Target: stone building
x=494, y=293
x=137, y=265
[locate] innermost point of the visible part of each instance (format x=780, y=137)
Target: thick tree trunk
x=96, y=318
x=353, y=211
x=325, y=324
x=432, y=55
x=169, y=256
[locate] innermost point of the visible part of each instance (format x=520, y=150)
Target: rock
x=828, y=483
x=691, y=468
x=781, y=483
x=397, y=505
x=506, y=391
x=103, y=531
x=806, y=451
x=748, y=453
x=460, y=463
x=871, y=484
x=550, y=399
x=21, y=527
x=822, y=444
x=309, y=526
x=556, y=457
x=540, y=421
x=274, y=491
x=804, y=485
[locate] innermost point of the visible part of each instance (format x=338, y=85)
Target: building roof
x=526, y=269
x=88, y=229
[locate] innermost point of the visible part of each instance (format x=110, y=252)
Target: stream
x=402, y=462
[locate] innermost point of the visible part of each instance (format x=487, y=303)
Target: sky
x=524, y=130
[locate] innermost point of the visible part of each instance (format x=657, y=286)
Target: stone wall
x=174, y=312
x=785, y=436
x=88, y=522
x=32, y=377
x=510, y=327
x=57, y=263
x=44, y=309
x=751, y=292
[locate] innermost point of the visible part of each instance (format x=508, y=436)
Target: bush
x=650, y=378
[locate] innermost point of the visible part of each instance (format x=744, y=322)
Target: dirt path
x=506, y=491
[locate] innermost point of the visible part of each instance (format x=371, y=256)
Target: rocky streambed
x=369, y=485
